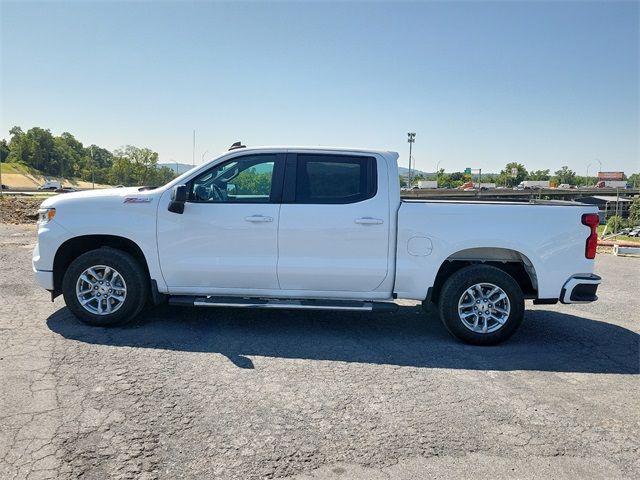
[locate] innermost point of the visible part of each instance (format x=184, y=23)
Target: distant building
x=608, y=205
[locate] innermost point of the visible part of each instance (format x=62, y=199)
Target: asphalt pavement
x=237, y=394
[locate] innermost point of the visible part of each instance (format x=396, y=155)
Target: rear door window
x=334, y=179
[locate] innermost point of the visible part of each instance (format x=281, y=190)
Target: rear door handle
x=369, y=221
x=258, y=219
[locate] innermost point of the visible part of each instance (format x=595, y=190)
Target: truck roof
x=318, y=148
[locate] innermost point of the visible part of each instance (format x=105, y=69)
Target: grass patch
x=18, y=168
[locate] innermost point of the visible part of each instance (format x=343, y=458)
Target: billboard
x=610, y=175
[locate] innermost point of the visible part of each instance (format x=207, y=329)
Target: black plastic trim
x=290, y=172
x=545, y=301
x=384, y=307
x=182, y=300
x=429, y=296
x=156, y=297
x=584, y=292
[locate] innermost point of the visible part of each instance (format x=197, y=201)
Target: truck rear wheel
x=105, y=287
x=481, y=305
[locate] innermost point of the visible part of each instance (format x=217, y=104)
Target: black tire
x=131, y=271
x=456, y=286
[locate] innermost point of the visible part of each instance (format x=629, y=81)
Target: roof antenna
x=237, y=145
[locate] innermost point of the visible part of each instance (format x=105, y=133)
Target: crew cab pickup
x=312, y=228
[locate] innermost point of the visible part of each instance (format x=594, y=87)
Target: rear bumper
x=580, y=289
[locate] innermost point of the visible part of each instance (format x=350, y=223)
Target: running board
x=344, y=305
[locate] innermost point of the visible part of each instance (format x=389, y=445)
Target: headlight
x=45, y=215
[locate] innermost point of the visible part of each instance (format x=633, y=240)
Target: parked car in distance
x=50, y=185
x=312, y=229
x=66, y=190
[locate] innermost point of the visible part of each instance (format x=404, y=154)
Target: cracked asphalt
x=234, y=394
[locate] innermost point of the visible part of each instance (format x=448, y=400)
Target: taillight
x=591, y=220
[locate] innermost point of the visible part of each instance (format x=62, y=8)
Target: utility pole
x=411, y=138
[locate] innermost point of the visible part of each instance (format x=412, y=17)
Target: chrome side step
x=239, y=302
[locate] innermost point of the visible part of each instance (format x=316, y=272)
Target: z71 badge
x=137, y=200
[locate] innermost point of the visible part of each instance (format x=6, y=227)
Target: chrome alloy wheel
x=484, y=308
x=101, y=290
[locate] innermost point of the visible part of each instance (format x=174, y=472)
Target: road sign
x=467, y=170
x=514, y=172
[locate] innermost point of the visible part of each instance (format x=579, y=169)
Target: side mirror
x=178, y=199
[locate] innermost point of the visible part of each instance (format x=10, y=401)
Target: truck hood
x=119, y=195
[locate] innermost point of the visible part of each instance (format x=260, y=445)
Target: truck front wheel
x=105, y=287
x=481, y=305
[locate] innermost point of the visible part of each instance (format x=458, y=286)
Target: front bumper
x=44, y=279
x=580, y=289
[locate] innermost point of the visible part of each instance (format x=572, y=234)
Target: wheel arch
x=74, y=247
x=513, y=262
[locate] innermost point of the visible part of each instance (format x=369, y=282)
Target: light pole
x=193, y=156
x=599, y=171
x=588, y=181
x=438, y=173
x=411, y=138
x=93, y=177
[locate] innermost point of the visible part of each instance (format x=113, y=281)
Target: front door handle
x=258, y=219
x=369, y=221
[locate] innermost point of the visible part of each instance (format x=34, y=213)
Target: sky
x=543, y=83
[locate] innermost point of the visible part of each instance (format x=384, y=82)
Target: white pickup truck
x=312, y=228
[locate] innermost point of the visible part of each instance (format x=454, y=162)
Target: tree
x=539, y=175
x=138, y=166
x=251, y=181
x=100, y=163
x=615, y=223
x=65, y=155
x=506, y=178
x=565, y=175
x=634, y=212
x=451, y=180
x=4, y=150
x=18, y=149
x=634, y=180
